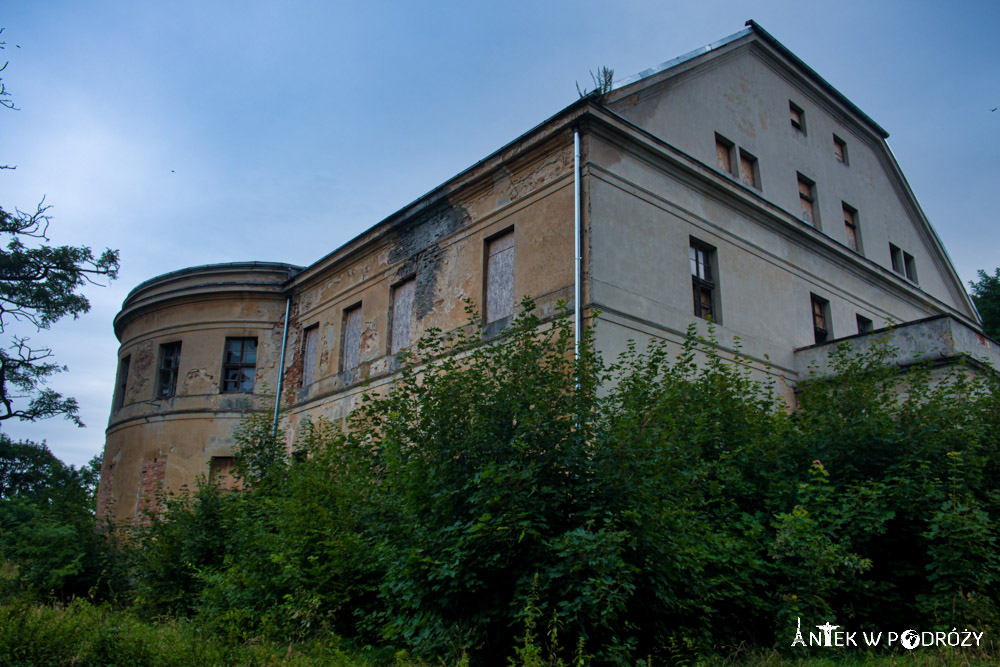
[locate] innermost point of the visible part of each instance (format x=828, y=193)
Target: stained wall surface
x=652, y=187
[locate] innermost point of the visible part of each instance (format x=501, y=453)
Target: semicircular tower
x=199, y=348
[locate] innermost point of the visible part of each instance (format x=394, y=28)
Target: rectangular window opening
x=807, y=201
x=239, y=365
x=840, y=149
x=222, y=472
x=724, y=154
x=123, y=368
x=749, y=171
x=851, y=228
x=310, y=343
x=896, y=257
x=703, y=281
x=910, y=266
x=500, y=277
x=865, y=325
x=170, y=358
x=350, y=339
x=402, y=315
x=822, y=331
x=797, y=116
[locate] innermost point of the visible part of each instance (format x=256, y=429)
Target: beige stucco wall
x=172, y=439
x=743, y=94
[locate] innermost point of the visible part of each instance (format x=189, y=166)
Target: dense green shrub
x=494, y=504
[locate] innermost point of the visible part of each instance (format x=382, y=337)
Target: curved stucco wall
x=156, y=443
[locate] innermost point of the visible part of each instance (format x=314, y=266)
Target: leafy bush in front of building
x=496, y=503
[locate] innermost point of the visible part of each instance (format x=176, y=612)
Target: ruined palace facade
x=731, y=184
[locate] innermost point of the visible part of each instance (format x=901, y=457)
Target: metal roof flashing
x=690, y=55
x=754, y=28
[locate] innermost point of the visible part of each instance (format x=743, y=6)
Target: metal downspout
x=281, y=367
x=577, y=306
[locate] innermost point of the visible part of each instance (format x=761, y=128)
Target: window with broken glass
x=239, y=365
x=123, y=368
x=821, y=319
x=170, y=358
x=703, y=281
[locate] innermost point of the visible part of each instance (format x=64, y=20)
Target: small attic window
x=797, y=116
x=840, y=149
x=724, y=154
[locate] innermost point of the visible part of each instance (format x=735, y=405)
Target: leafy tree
x=986, y=296
x=39, y=285
x=47, y=520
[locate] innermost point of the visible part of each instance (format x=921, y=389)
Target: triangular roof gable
x=650, y=81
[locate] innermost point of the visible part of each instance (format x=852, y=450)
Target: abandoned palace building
x=732, y=183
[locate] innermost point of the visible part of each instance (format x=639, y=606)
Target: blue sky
x=192, y=132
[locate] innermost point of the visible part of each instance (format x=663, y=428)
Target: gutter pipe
x=577, y=276
x=281, y=367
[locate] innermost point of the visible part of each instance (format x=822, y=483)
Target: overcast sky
x=193, y=132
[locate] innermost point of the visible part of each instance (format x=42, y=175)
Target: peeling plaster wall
x=165, y=443
x=442, y=248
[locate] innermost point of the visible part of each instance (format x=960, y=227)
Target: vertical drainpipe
x=281, y=366
x=577, y=305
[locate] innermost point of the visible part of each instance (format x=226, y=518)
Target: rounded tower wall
x=200, y=348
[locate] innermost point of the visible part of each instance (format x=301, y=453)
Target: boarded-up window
x=807, y=200
x=797, y=116
x=170, y=359
x=500, y=277
x=222, y=472
x=310, y=340
x=350, y=339
x=749, y=173
x=724, y=154
x=402, y=315
x=239, y=365
x=839, y=149
x=851, y=228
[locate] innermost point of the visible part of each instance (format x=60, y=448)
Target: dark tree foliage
x=986, y=296
x=39, y=285
x=47, y=529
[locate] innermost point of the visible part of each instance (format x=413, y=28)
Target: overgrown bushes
x=494, y=504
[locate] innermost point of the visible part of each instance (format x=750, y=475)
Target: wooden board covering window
x=807, y=201
x=222, y=472
x=350, y=353
x=748, y=169
x=839, y=149
x=500, y=277
x=851, y=227
x=309, y=347
x=402, y=315
x=723, y=153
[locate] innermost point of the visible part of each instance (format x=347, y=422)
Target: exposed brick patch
x=105, y=492
x=150, y=489
x=294, y=354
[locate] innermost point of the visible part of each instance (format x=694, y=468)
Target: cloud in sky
x=196, y=132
